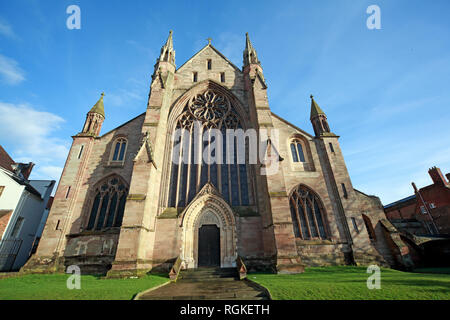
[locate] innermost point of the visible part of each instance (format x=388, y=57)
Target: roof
x=99, y=107
x=5, y=160
x=123, y=124
x=28, y=186
x=23, y=182
x=400, y=201
x=5, y=212
x=315, y=109
x=290, y=124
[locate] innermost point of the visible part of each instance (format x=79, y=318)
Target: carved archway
x=207, y=208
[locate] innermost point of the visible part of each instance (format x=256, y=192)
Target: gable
x=291, y=126
x=199, y=64
x=206, y=52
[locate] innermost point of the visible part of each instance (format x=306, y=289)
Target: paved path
x=207, y=284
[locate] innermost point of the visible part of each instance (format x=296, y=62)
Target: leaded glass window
x=108, y=204
x=120, y=145
x=208, y=110
x=307, y=214
x=297, y=151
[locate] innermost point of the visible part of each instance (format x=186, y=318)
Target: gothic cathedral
x=124, y=206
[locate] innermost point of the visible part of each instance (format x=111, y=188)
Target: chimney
x=26, y=170
x=437, y=176
x=22, y=170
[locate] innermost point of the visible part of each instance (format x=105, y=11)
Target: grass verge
x=350, y=283
x=54, y=287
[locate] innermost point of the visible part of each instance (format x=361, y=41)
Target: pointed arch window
x=108, y=204
x=369, y=227
x=203, y=112
x=308, y=214
x=119, y=149
x=297, y=151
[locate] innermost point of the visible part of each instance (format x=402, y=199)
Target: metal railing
x=9, y=248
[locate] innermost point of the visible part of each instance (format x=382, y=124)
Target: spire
x=250, y=55
x=167, y=52
x=169, y=42
x=319, y=120
x=94, y=119
x=315, y=109
x=98, y=107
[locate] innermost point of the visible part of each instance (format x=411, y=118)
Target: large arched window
x=307, y=214
x=297, y=151
x=208, y=110
x=108, y=204
x=118, y=150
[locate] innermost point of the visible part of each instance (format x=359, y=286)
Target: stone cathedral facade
x=124, y=207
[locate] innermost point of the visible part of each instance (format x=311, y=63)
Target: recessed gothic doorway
x=208, y=231
x=209, y=246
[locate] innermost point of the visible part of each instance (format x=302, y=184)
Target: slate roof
x=400, y=201
x=5, y=160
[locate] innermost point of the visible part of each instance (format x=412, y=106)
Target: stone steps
x=209, y=274
x=207, y=284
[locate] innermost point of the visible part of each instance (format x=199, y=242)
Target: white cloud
x=10, y=71
x=29, y=132
x=6, y=30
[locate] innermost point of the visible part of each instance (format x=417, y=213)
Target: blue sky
x=385, y=92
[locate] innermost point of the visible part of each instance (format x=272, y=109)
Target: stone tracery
x=211, y=110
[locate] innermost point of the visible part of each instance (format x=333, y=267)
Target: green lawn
x=341, y=282
x=53, y=287
x=345, y=282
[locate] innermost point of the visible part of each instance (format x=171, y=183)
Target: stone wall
x=71, y=207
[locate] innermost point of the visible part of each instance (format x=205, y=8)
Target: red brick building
x=427, y=212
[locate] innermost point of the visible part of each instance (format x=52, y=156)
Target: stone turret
x=94, y=119
x=319, y=120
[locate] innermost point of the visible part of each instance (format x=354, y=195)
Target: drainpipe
x=425, y=206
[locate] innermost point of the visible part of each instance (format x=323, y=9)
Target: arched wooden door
x=209, y=246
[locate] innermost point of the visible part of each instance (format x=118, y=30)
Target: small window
x=423, y=210
x=344, y=190
x=57, y=225
x=1, y=190
x=81, y=151
x=68, y=192
x=119, y=150
x=432, y=205
x=369, y=227
x=17, y=227
x=209, y=64
x=331, y=147
x=222, y=77
x=194, y=77
x=355, y=225
x=297, y=152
